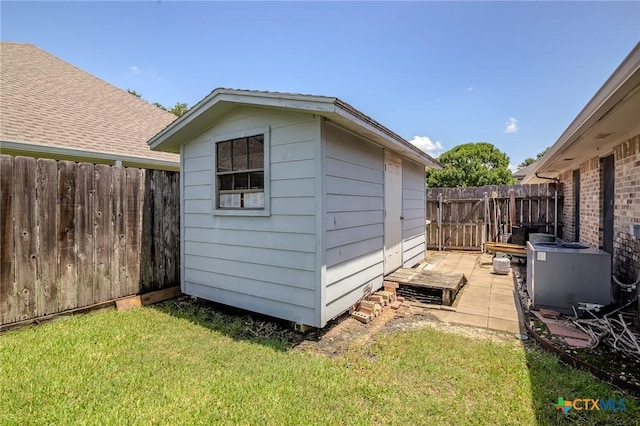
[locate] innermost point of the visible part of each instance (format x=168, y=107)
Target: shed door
x=392, y=212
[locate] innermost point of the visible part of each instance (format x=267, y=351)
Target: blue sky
x=511, y=73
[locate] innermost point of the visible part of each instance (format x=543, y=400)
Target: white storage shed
x=293, y=205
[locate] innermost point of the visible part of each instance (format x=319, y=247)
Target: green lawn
x=164, y=365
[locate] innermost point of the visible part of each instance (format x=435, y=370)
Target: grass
x=171, y=365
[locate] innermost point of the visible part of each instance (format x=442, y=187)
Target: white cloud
x=427, y=145
x=149, y=74
x=513, y=168
x=469, y=89
x=511, y=126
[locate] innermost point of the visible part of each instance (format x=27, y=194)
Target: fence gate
x=458, y=225
x=466, y=218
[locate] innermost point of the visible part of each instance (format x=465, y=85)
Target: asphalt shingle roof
x=46, y=101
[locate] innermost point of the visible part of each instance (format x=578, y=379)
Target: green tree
x=527, y=161
x=471, y=164
x=134, y=93
x=179, y=109
x=159, y=105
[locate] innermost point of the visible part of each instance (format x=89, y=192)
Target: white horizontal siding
x=414, y=213
x=277, y=223
x=288, y=277
x=201, y=286
x=290, y=259
x=265, y=264
x=355, y=234
x=344, y=220
x=304, y=243
x=296, y=151
x=196, y=178
x=354, y=218
x=358, y=285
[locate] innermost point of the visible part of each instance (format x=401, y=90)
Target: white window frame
x=266, y=211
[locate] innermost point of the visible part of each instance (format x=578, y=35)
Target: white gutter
x=89, y=156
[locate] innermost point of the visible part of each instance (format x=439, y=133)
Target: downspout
x=555, y=203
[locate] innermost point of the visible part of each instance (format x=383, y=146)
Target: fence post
x=484, y=222
x=439, y=218
x=512, y=209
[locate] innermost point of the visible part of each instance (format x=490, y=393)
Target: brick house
x=52, y=109
x=597, y=159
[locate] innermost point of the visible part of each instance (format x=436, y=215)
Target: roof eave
x=621, y=82
x=353, y=115
x=12, y=147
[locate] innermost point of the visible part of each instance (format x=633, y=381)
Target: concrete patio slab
x=505, y=314
x=477, y=296
x=506, y=325
x=444, y=316
x=503, y=299
x=470, y=319
x=472, y=308
x=487, y=300
x=504, y=291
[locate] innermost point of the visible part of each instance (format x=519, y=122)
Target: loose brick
x=391, y=284
x=396, y=305
x=367, y=304
x=377, y=298
x=367, y=310
x=363, y=318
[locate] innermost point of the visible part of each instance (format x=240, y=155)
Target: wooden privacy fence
x=77, y=234
x=467, y=220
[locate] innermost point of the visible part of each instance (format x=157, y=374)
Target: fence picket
x=133, y=223
x=103, y=230
x=85, y=193
x=7, y=249
x=67, y=235
x=118, y=237
x=47, y=236
x=24, y=177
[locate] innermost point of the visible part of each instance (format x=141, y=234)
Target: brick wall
x=590, y=202
x=568, y=217
x=626, y=260
x=626, y=250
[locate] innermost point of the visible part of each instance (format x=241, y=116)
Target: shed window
x=240, y=173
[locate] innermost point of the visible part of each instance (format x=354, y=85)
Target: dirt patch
x=345, y=332
x=334, y=340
